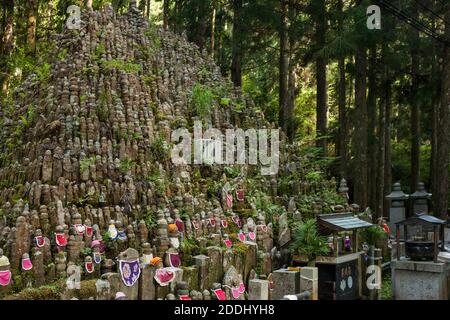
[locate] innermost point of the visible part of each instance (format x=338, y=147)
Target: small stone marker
x=258, y=289
x=285, y=282
x=309, y=281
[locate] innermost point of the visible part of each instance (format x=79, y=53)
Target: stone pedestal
x=416, y=280
x=203, y=264
x=147, y=287
x=309, y=281
x=285, y=282
x=394, y=250
x=258, y=289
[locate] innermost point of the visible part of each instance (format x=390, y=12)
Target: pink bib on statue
x=240, y=195
x=235, y=292
x=61, y=239
x=89, y=231
x=5, y=278
x=220, y=294
x=229, y=201
x=241, y=287
x=228, y=243
x=252, y=236
x=164, y=276
x=40, y=241
x=224, y=223
x=89, y=267
x=174, y=259
x=26, y=264
x=180, y=225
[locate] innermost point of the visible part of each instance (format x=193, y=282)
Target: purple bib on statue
x=130, y=271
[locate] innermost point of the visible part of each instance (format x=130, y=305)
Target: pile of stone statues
x=87, y=187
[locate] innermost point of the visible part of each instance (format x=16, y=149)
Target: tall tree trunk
x=6, y=44
x=360, y=133
x=50, y=12
x=387, y=144
x=142, y=6
x=435, y=77
x=219, y=59
x=213, y=29
x=434, y=127
x=343, y=140
x=236, y=58
x=88, y=3
x=292, y=78
x=31, y=27
x=166, y=14
x=415, y=111
x=382, y=125
x=442, y=161
x=149, y=8
x=283, y=67
x=201, y=23
x=321, y=78
x=371, y=134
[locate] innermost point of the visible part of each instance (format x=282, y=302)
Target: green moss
x=240, y=248
x=86, y=163
x=48, y=292
x=87, y=290
x=127, y=67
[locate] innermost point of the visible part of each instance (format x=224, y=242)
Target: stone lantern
x=419, y=200
x=397, y=210
x=343, y=189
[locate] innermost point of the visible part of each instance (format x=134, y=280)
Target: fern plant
x=308, y=241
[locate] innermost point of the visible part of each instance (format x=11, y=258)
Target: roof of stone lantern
x=397, y=193
x=421, y=193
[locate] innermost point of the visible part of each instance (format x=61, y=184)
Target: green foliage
x=308, y=242
x=86, y=163
x=201, y=100
x=28, y=120
x=127, y=67
x=99, y=51
x=86, y=251
x=126, y=165
x=150, y=219
x=160, y=149
x=62, y=54
x=386, y=286
x=232, y=172
x=373, y=234
x=189, y=247
x=43, y=72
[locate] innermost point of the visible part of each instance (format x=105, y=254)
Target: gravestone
x=285, y=282
x=258, y=289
